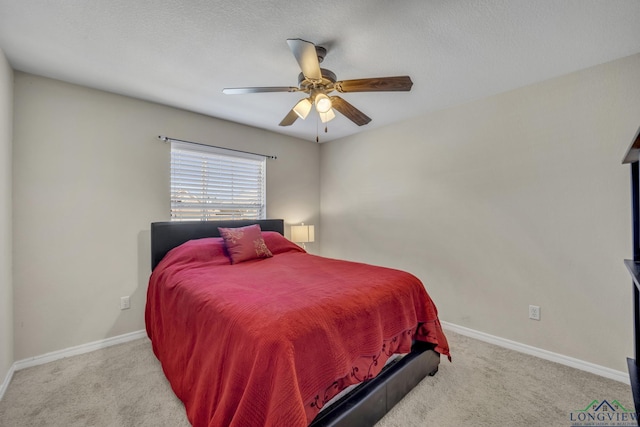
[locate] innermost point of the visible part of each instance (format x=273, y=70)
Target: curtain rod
x=168, y=139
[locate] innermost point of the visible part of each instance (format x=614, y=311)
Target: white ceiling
x=183, y=53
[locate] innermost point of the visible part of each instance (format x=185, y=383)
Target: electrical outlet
x=534, y=312
x=124, y=303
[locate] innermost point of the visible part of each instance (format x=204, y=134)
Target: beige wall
x=6, y=288
x=508, y=201
x=512, y=200
x=89, y=177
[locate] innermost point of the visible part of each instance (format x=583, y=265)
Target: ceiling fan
x=318, y=83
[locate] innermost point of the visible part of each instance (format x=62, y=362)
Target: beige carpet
x=484, y=386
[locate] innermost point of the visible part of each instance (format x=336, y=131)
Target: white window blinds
x=209, y=184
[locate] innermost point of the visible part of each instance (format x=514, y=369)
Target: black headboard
x=167, y=235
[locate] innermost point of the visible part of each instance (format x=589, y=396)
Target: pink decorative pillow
x=244, y=243
x=278, y=244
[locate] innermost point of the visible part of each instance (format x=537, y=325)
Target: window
x=209, y=184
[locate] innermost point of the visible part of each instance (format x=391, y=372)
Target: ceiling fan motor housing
x=328, y=78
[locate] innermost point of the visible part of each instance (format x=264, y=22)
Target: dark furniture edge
x=167, y=235
x=633, y=152
x=635, y=383
x=634, y=268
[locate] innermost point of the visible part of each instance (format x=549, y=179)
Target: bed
x=236, y=352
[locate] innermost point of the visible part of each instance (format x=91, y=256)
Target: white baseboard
x=603, y=371
x=79, y=349
x=68, y=352
x=7, y=380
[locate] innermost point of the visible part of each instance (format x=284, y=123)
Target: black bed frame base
x=365, y=406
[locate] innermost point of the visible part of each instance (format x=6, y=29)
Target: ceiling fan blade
x=349, y=111
x=289, y=119
x=305, y=53
x=243, y=90
x=376, y=84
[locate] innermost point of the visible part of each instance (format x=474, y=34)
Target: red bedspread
x=268, y=342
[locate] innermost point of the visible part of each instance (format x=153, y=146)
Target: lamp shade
x=302, y=108
x=323, y=103
x=325, y=117
x=302, y=233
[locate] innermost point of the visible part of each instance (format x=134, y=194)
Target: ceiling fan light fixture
x=328, y=116
x=302, y=108
x=323, y=103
